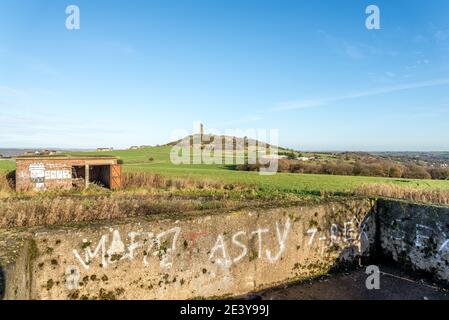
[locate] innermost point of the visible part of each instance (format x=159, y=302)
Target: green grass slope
x=7, y=165
x=139, y=160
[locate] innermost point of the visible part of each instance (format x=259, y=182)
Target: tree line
x=370, y=168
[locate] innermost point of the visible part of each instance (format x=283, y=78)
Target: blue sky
x=138, y=70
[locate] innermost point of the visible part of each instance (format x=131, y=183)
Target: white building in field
x=274, y=157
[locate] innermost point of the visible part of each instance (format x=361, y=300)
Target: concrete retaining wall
x=416, y=236
x=186, y=257
x=218, y=255
x=16, y=259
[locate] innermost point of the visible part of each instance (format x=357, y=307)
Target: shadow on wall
x=11, y=176
x=367, y=250
x=2, y=283
x=349, y=259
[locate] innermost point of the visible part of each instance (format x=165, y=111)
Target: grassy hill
x=157, y=160
x=139, y=160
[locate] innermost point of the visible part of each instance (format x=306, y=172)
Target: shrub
x=439, y=173
x=414, y=171
x=366, y=167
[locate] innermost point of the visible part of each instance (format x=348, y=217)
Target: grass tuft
x=433, y=196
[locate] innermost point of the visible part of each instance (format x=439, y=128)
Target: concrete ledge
x=194, y=257
x=16, y=257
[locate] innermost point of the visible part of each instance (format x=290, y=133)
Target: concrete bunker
x=66, y=172
x=227, y=254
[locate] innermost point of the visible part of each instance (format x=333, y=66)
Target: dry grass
x=131, y=182
x=146, y=180
x=6, y=184
x=142, y=194
x=434, y=196
x=37, y=211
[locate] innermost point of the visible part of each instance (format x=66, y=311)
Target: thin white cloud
x=311, y=103
x=354, y=50
x=10, y=91
x=22, y=126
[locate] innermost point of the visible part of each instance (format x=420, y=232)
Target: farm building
x=65, y=172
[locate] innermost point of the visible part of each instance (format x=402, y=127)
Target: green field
x=7, y=165
x=139, y=160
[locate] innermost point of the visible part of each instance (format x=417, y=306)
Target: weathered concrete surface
x=395, y=284
x=416, y=236
x=193, y=256
x=16, y=255
x=221, y=254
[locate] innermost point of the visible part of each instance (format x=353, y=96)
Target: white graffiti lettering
x=117, y=250
x=219, y=252
x=281, y=241
x=259, y=233
x=239, y=244
x=220, y=245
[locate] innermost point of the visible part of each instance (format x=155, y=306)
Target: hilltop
x=239, y=143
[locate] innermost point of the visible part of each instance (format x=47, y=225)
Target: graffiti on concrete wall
x=350, y=232
x=424, y=236
x=175, y=249
x=224, y=250
x=160, y=246
x=39, y=174
x=219, y=252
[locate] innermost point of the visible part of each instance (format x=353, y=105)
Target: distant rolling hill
x=14, y=152
x=238, y=142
